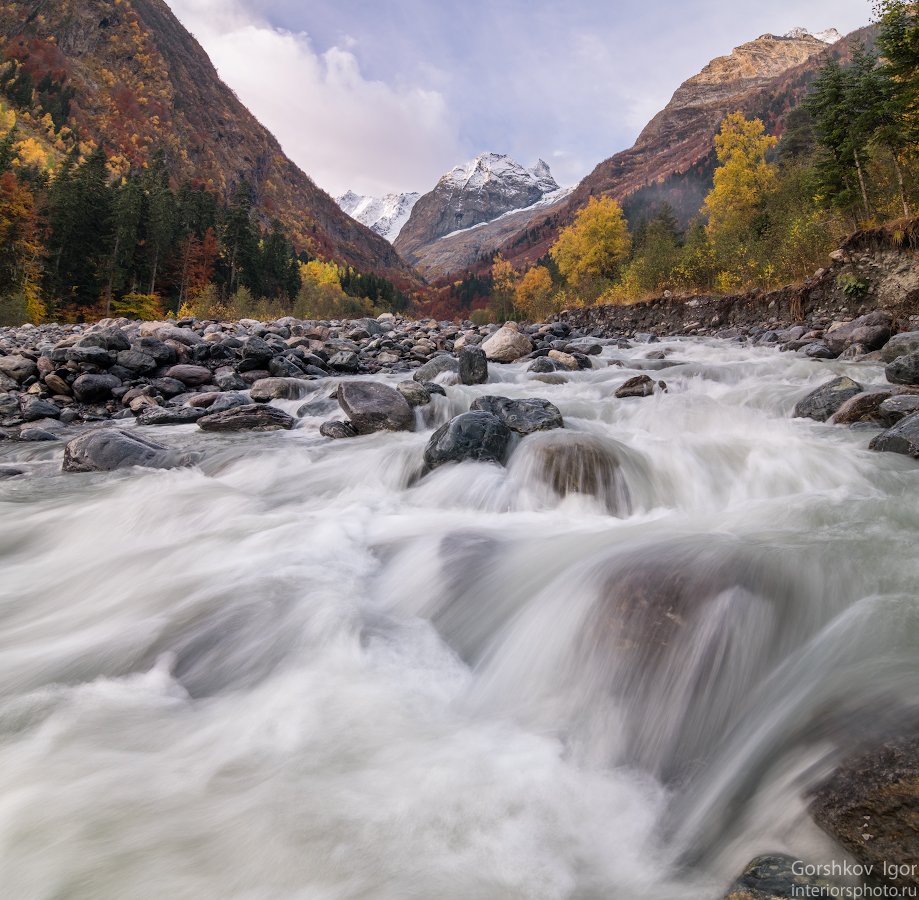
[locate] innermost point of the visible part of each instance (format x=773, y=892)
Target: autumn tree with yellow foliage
x=590, y=252
x=535, y=294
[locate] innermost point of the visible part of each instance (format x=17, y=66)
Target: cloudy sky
x=387, y=95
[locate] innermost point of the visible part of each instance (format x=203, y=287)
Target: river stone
x=565, y=360
x=872, y=331
x=542, y=365
x=900, y=345
x=507, y=345
x=478, y=436
x=337, y=429
x=639, y=386
x=522, y=416
x=10, y=472
x=870, y=806
x=258, y=350
x=371, y=406
x=773, y=878
x=863, y=408
x=107, y=449
x=903, y=370
x=33, y=408
x=94, y=388
x=818, y=350
x=136, y=361
x=252, y=417
x=19, y=368
x=416, y=394
x=113, y=339
x=180, y=335
x=158, y=415
x=57, y=384
x=191, y=376
x=473, y=366
x=90, y=356
x=827, y=399
x=434, y=367
x=900, y=406
x=345, y=361
x=37, y=434
x=901, y=438
x=266, y=389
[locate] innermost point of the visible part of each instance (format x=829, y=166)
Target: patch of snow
x=546, y=200
x=828, y=36
x=384, y=215
x=498, y=167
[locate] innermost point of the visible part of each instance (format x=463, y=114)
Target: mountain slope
x=140, y=84
x=487, y=187
x=673, y=159
x=384, y=215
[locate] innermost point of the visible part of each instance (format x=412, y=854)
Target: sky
x=381, y=96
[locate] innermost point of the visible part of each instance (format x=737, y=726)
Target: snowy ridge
x=497, y=167
x=829, y=36
x=546, y=200
x=384, y=215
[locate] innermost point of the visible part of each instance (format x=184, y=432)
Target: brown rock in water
x=871, y=807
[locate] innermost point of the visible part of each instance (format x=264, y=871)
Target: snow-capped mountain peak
x=829, y=36
x=384, y=215
x=498, y=168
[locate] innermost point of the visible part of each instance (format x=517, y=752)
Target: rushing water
x=300, y=671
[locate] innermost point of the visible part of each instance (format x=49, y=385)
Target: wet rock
x=903, y=370
x=564, y=360
x=863, y=409
x=107, y=449
x=434, y=388
x=37, y=434
x=371, y=406
x=189, y=375
x=252, y=417
x=10, y=472
x=345, y=361
x=434, y=367
x=899, y=407
x=266, y=389
x=903, y=344
x=901, y=438
x=94, y=388
x=542, y=365
x=337, y=430
x=827, y=399
x=473, y=366
x=872, y=331
x=507, y=345
x=774, y=878
x=818, y=350
x=522, y=416
x=181, y=415
x=639, y=386
x=478, y=436
x=19, y=368
x=416, y=394
x=870, y=806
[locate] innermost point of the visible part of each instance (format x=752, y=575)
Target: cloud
x=344, y=130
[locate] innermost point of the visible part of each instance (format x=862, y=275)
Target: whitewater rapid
x=300, y=670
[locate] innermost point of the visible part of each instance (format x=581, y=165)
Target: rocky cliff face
x=384, y=215
x=673, y=159
x=141, y=84
x=481, y=191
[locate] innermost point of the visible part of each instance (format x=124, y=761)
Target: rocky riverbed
x=460, y=611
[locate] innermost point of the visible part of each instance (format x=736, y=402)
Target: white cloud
x=345, y=131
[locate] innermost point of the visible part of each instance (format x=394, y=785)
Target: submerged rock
x=639, y=386
x=478, y=436
x=522, y=416
x=774, y=878
x=107, y=449
x=415, y=392
x=337, y=429
x=434, y=367
x=827, y=399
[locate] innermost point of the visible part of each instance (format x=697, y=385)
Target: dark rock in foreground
x=901, y=438
x=473, y=366
x=871, y=807
x=827, y=399
x=639, y=386
x=478, y=436
x=522, y=416
x=903, y=370
x=371, y=406
x=336, y=429
x=253, y=417
x=774, y=878
x=106, y=450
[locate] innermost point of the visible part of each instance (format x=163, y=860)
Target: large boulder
x=252, y=417
x=434, y=367
x=870, y=806
x=94, y=388
x=522, y=416
x=371, y=406
x=871, y=331
x=17, y=367
x=473, y=366
x=827, y=399
x=266, y=389
x=507, y=345
x=903, y=370
x=901, y=438
x=478, y=436
x=900, y=345
x=899, y=407
x=107, y=449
